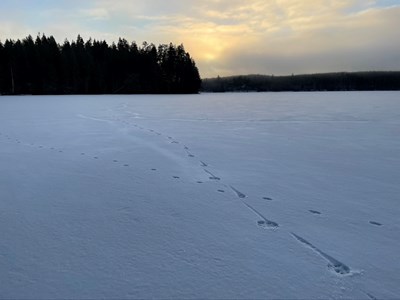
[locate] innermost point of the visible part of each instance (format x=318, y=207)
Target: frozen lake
x=258, y=195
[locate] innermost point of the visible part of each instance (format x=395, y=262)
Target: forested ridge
x=43, y=66
x=343, y=81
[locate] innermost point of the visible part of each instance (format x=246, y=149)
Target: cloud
x=12, y=30
x=95, y=13
x=310, y=37
x=234, y=36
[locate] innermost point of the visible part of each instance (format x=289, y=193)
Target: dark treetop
x=42, y=66
x=356, y=81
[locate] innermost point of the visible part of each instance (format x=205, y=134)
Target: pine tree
x=42, y=66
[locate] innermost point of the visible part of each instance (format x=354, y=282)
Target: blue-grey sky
x=228, y=37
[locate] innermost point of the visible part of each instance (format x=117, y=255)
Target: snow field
x=289, y=195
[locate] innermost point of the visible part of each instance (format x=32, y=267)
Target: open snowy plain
x=258, y=195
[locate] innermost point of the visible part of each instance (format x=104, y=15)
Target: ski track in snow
x=338, y=267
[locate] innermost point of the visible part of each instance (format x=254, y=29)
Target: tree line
x=355, y=81
x=42, y=66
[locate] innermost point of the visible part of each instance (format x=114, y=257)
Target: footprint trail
x=212, y=177
x=337, y=266
x=264, y=222
x=238, y=193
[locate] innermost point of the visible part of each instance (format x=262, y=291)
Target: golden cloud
x=218, y=33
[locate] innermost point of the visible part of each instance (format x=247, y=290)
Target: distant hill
x=344, y=81
x=42, y=66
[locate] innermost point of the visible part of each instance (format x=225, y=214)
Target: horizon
x=304, y=74
x=228, y=38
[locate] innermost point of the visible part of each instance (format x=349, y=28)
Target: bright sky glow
x=228, y=37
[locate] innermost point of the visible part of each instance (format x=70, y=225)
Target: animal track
x=264, y=222
x=213, y=177
x=337, y=266
x=372, y=297
x=189, y=153
x=315, y=212
x=375, y=223
x=59, y=150
x=267, y=223
x=238, y=193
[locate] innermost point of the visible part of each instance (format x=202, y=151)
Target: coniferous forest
x=43, y=66
x=355, y=81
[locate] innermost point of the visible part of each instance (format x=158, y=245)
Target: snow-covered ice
x=258, y=195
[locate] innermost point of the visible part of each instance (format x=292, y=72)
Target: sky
x=229, y=37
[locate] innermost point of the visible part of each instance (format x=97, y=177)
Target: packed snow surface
x=258, y=195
